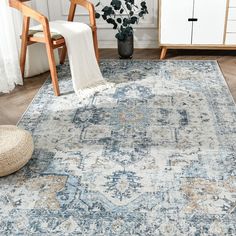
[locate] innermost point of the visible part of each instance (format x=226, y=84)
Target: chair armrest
x=86, y=4
x=28, y=12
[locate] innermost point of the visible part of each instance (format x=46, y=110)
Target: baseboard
x=137, y=44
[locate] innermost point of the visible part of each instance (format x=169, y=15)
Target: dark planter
x=126, y=47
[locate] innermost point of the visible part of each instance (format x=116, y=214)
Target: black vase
x=126, y=47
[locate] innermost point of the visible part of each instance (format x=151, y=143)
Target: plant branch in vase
x=122, y=15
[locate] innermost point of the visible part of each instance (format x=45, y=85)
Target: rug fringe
x=94, y=88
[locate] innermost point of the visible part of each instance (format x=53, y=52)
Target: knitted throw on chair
x=86, y=75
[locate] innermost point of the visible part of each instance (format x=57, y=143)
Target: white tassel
x=94, y=88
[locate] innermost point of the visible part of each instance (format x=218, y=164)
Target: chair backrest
x=87, y=5
x=29, y=12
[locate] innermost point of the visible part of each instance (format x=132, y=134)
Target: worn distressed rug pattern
x=156, y=155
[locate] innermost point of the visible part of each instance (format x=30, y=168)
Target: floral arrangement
x=122, y=14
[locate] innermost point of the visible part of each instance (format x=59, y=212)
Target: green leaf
x=119, y=20
x=98, y=4
x=97, y=15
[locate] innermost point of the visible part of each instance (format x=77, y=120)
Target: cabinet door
x=175, y=27
x=209, y=29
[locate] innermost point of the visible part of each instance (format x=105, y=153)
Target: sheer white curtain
x=10, y=74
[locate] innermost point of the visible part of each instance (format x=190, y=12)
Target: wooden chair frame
x=50, y=43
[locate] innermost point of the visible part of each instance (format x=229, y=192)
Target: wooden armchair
x=50, y=39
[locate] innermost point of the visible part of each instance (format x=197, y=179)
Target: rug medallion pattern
x=155, y=155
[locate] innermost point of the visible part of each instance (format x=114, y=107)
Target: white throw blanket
x=86, y=75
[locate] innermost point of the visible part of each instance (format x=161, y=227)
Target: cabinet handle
x=192, y=19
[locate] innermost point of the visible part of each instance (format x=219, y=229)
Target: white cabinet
x=208, y=24
x=176, y=27
x=230, y=36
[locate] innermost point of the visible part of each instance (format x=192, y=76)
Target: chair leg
x=24, y=41
x=163, y=53
x=63, y=55
x=95, y=42
x=23, y=58
x=53, y=70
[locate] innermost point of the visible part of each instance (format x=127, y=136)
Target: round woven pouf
x=16, y=148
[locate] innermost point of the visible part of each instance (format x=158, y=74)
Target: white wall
x=145, y=31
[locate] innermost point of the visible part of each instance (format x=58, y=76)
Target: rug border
x=157, y=60
x=35, y=96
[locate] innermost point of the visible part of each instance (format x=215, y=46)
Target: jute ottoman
x=16, y=148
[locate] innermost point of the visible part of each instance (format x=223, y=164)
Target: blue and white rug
x=156, y=155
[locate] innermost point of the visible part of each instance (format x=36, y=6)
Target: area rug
x=156, y=155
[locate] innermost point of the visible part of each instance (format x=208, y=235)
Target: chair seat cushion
x=40, y=34
x=16, y=148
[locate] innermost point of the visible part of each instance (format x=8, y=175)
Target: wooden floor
x=13, y=105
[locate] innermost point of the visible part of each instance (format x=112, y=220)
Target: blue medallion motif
x=123, y=184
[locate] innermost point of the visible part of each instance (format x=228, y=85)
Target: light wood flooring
x=13, y=105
